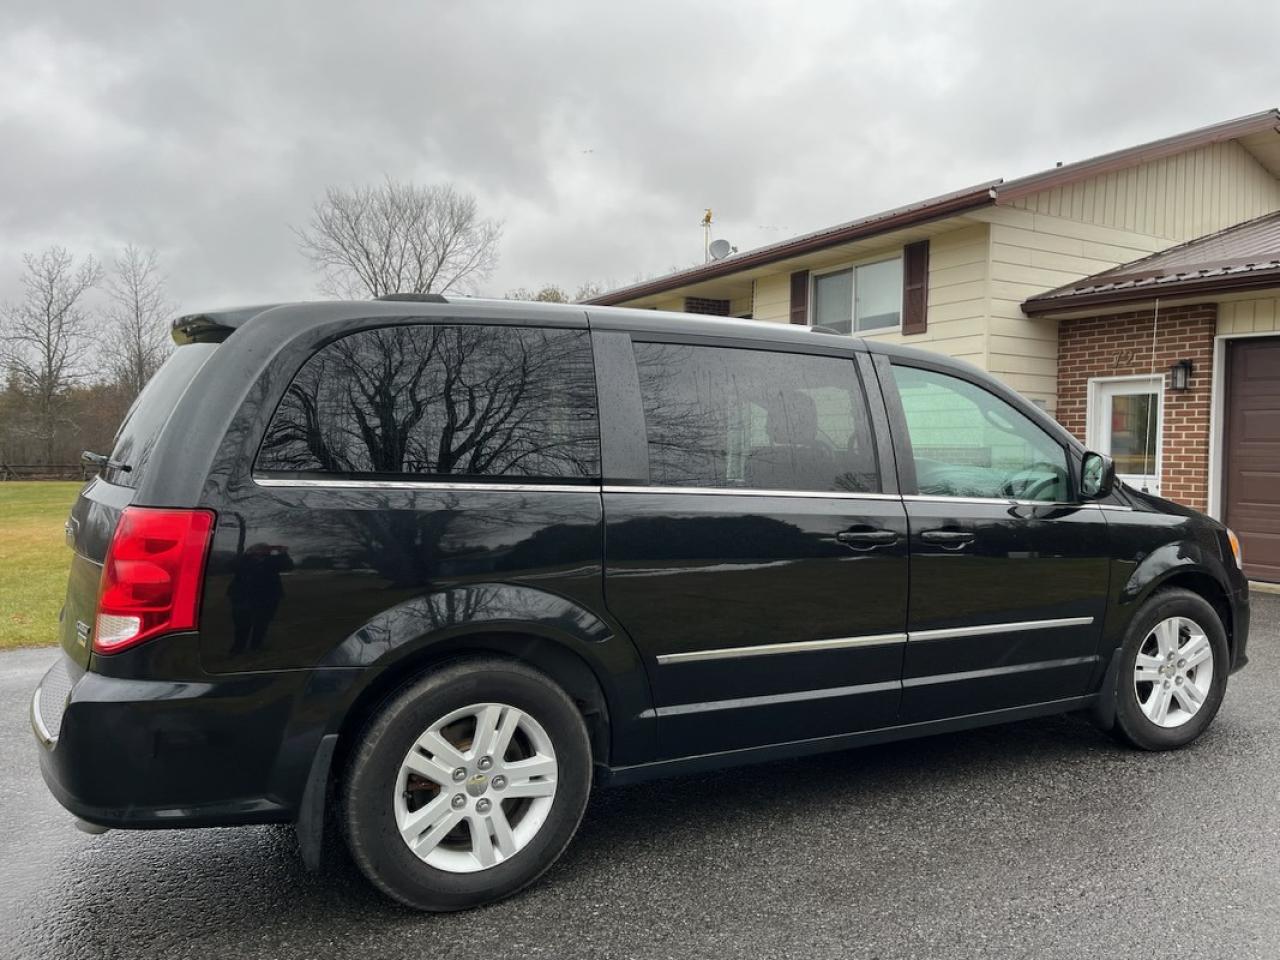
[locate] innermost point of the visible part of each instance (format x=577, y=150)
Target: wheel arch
x=1204, y=585
x=593, y=662
x=1184, y=566
x=1154, y=575
x=562, y=665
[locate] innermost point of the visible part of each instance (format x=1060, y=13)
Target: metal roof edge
x=935, y=208
x=1042, y=305
x=1020, y=187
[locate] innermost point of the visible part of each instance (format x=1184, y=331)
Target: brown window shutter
x=915, y=287
x=800, y=297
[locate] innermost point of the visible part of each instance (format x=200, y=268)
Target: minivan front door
x=1009, y=577
x=761, y=569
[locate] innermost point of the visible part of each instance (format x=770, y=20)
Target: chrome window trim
x=809, y=646
x=768, y=649
x=955, y=633
x=453, y=485
x=473, y=485
x=1009, y=501
x=751, y=492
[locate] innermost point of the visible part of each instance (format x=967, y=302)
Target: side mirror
x=1097, y=476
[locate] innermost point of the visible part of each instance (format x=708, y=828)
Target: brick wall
x=1120, y=345
x=715, y=308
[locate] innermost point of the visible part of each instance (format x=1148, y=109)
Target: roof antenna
x=1147, y=459
x=706, y=236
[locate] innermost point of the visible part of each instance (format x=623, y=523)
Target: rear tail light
x=152, y=576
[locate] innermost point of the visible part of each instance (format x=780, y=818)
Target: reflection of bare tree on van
x=442, y=400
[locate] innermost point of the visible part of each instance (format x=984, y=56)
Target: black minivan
x=431, y=567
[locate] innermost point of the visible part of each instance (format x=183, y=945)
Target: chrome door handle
x=948, y=539
x=865, y=539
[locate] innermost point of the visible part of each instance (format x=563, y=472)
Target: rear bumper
x=152, y=753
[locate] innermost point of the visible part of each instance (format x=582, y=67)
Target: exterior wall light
x=1180, y=375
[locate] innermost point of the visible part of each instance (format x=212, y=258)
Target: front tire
x=1172, y=673
x=467, y=785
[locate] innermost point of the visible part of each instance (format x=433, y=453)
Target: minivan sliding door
x=751, y=550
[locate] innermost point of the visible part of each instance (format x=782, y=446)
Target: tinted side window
x=727, y=417
x=970, y=443
x=442, y=401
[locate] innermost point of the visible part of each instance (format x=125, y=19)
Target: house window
x=1125, y=420
x=859, y=299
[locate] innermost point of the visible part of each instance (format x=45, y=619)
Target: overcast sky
x=597, y=131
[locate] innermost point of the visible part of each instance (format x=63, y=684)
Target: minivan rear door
x=752, y=551
x=97, y=509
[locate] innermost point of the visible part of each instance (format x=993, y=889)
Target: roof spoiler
x=214, y=326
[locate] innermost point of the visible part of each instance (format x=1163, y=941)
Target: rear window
x=141, y=428
x=425, y=400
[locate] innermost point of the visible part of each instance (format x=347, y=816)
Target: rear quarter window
x=422, y=400
x=138, y=433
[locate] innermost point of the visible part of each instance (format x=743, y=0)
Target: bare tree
x=138, y=312
x=589, y=289
x=553, y=293
x=45, y=338
x=440, y=400
x=547, y=293
x=399, y=238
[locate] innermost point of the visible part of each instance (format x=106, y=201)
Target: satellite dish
x=720, y=249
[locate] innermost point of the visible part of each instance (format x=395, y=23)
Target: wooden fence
x=47, y=471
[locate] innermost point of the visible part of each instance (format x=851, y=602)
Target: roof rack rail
x=414, y=297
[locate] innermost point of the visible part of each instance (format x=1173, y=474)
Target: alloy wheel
x=1173, y=673
x=475, y=787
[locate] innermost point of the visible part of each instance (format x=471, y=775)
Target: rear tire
x=467, y=785
x=1172, y=673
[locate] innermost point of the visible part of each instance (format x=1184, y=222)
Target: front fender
x=1168, y=561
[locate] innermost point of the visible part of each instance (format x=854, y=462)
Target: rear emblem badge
x=82, y=633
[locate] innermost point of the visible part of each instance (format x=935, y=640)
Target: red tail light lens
x=152, y=576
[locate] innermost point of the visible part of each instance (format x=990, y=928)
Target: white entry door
x=1125, y=422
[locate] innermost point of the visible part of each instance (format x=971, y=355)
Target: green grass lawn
x=34, y=559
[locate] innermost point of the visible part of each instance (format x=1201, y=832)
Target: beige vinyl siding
x=740, y=306
x=958, y=277
x=1177, y=198
x=1249, y=316
x=675, y=304
x=1032, y=252
x=772, y=300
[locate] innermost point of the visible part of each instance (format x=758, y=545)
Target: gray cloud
x=597, y=131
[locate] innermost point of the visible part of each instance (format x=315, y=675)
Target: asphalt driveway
x=1041, y=839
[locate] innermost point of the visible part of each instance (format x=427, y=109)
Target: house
x=1135, y=295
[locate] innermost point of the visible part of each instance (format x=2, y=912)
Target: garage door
x=1252, y=467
